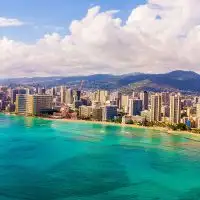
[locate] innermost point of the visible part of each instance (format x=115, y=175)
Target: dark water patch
x=192, y=194
x=16, y=139
x=100, y=175
x=12, y=167
x=22, y=149
x=19, y=152
x=119, y=197
x=152, y=190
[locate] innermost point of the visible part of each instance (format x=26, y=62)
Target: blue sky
x=46, y=16
x=35, y=39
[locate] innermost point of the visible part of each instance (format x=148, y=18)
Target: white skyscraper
x=69, y=97
x=156, y=107
x=175, y=109
x=62, y=94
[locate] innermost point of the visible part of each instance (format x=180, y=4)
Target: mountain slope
x=176, y=80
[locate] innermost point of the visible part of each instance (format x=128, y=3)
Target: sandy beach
x=185, y=134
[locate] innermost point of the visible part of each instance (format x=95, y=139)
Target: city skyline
x=166, y=109
x=48, y=38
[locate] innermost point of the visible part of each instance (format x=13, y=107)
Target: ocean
x=53, y=160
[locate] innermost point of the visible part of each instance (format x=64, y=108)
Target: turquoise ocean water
x=48, y=160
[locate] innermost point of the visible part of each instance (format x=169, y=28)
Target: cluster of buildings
x=23, y=102
x=102, y=105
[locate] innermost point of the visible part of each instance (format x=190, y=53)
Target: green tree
x=130, y=121
x=172, y=127
x=118, y=120
x=182, y=127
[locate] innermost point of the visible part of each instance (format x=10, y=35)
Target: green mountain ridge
x=174, y=81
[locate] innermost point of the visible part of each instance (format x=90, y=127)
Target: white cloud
x=5, y=22
x=160, y=36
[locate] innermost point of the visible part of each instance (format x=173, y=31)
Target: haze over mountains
x=176, y=80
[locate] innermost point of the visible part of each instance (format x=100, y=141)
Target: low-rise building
x=126, y=119
x=138, y=119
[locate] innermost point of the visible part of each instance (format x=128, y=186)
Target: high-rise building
x=189, y=111
x=97, y=113
x=43, y=91
x=187, y=103
x=109, y=112
x=198, y=123
x=53, y=91
x=119, y=100
x=125, y=102
x=135, y=107
x=104, y=96
x=117, y=96
x=196, y=100
x=69, y=99
x=77, y=104
x=21, y=103
x=165, y=98
x=96, y=104
x=77, y=95
x=95, y=96
x=85, y=111
x=144, y=96
x=101, y=96
x=175, y=109
x=14, y=93
x=165, y=110
x=3, y=99
x=198, y=111
x=2, y=95
x=86, y=101
x=111, y=103
x=136, y=95
x=156, y=107
x=37, y=103
x=2, y=105
x=40, y=90
x=62, y=94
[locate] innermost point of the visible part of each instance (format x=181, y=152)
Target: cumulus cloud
x=160, y=36
x=5, y=22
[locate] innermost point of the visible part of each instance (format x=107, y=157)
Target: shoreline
x=156, y=128
x=186, y=134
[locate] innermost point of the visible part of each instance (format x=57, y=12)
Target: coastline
x=186, y=134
